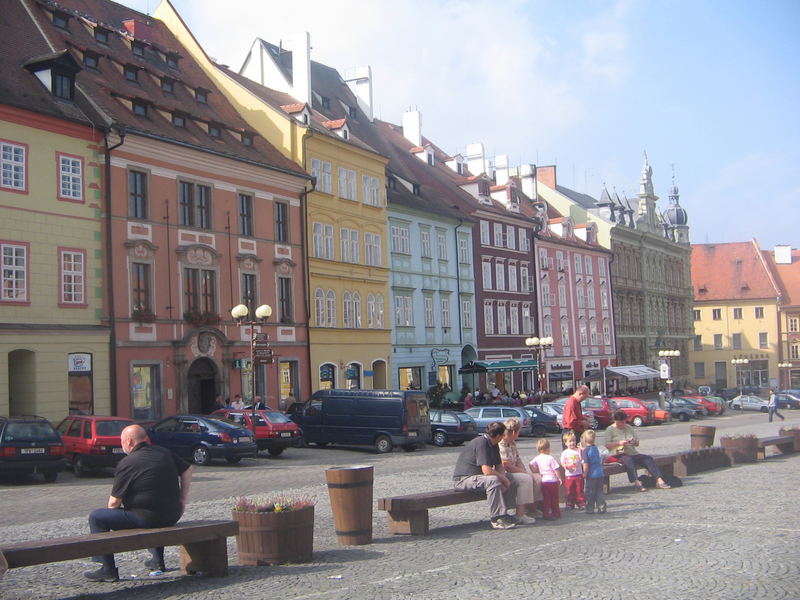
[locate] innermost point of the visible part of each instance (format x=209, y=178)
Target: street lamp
x=783, y=365
x=738, y=363
x=260, y=352
x=538, y=346
x=668, y=355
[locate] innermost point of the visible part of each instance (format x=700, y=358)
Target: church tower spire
x=675, y=216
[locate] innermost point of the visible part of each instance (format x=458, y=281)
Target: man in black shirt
x=479, y=467
x=151, y=486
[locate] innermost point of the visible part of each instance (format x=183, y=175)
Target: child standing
x=571, y=461
x=550, y=470
x=593, y=470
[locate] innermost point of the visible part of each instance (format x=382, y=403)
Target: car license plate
x=286, y=434
x=116, y=451
x=244, y=440
x=32, y=451
x=412, y=434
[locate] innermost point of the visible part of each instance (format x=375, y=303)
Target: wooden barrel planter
x=740, y=450
x=702, y=436
x=350, y=491
x=267, y=538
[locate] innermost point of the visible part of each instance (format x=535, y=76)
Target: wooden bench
x=204, y=547
x=665, y=462
x=409, y=514
x=785, y=444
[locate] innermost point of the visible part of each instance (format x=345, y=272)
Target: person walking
x=773, y=406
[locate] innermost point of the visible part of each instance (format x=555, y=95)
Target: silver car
x=484, y=415
x=749, y=403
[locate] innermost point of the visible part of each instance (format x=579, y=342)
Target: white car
x=749, y=403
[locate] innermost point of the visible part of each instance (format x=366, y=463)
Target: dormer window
x=172, y=60
x=56, y=72
x=101, y=35
x=139, y=107
x=131, y=72
x=168, y=84
x=304, y=118
x=247, y=138
x=214, y=130
x=483, y=188
x=326, y=102
x=61, y=20
x=138, y=49
x=513, y=197
x=460, y=168
x=430, y=158
x=201, y=95
x=415, y=189
x=353, y=111
x=178, y=119
x=91, y=60
x=345, y=134
x=391, y=183
x=63, y=85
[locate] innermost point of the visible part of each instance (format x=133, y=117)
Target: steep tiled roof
x=733, y=271
x=788, y=277
x=294, y=108
x=112, y=92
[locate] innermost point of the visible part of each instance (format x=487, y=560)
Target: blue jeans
x=632, y=461
x=114, y=519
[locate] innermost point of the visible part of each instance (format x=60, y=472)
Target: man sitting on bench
x=151, y=486
x=479, y=467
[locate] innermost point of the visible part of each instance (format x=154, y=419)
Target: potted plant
x=740, y=447
x=211, y=318
x=194, y=317
x=142, y=314
x=274, y=530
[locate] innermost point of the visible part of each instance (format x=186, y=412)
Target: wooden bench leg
x=210, y=557
x=607, y=484
x=408, y=522
x=761, y=454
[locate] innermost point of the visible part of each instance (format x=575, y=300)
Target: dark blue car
x=452, y=427
x=201, y=439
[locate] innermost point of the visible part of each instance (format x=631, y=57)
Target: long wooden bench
x=785, y=444
x=204, y=547
x=409, y=514
x=665, y=462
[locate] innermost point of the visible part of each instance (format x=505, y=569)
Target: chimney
x=527, y=178
x=783, y=254
x=361, y=86
x=501, y=169
x=412, y=127
x=301, y=68
x=475, y=159
x=138, y=29
x=547, y=176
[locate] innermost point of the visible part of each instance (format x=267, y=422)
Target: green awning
x=498, y=366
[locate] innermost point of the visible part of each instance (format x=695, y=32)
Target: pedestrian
x=573, y=473
x=468, y=401
x=151, y=487
x=773, y=406
x=573, y=419
x=594, y=476
x=237, y=404
x=479, y=467
x=550, y=470
x=258, y=404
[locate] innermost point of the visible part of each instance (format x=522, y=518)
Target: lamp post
x=668, y=355
x=738, y=363
x=538, y=346
x=260, y=352
x=783, y=365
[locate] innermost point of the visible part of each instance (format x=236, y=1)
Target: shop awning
x=634, y=372
x=498, y=366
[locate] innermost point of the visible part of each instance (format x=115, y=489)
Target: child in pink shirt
x=550, y=470
x=573, y=471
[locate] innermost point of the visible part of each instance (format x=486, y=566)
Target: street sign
x=664, y=370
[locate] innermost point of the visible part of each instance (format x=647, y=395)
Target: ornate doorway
x=202, y=386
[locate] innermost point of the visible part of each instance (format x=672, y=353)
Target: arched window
x=371, y=311
x=357, y=310
x=330, y=304
x=379, y=311
x=347, y=310
x=319, y=307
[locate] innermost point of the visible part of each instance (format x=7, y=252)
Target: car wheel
x=50, y=476
x=383, y=444
x=233, y=459
x=734, y=407
x=539, y=431
x=684, y=417
x=440, y=438
x=275, y=451
x=201, y=456
x=637, y=421
x=78, y=466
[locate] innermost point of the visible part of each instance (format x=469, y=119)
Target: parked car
x=711, y=404
x=601, y=409
x=682, y=413
x=484, y=415
x=30, y=444
x=793, y=392
x=542, y=422
x=785, y=400
x=660, y=415
x=556, y=409
x=274, y=431
x=638, y=413
x=452, y=427
x=698, y=409
x=380, y=418
x=92, y=442
x=747, y=402
x=202, y=438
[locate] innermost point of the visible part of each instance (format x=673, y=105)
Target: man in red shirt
x=573, y=413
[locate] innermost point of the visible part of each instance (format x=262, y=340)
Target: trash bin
x=350, y=491
x=702, y=436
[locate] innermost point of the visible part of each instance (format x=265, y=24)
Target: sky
x=707, y=88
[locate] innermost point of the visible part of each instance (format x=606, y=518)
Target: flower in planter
x=739, y=436
x=194, y=317
x=262, y=504
x=141, y=314
x=211, y=318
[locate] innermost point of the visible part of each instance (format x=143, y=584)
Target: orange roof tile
x=734, y=271
x=788, y=276
x=293, y=108
x=335, y=124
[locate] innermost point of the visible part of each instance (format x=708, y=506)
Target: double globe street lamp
x=538, y=346
x=260, y=352
x=668, y=355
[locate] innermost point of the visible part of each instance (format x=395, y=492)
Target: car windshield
x=461, y=416
x=276, y=417
x=111, y=427
x=37, y=431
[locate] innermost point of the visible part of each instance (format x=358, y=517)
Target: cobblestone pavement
x=726, y=534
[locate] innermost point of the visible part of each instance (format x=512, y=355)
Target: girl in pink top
x=550, y=470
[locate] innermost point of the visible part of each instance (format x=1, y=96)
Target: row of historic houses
x=147, y=191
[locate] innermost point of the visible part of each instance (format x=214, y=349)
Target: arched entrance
x=202, y=386
x=379, y=375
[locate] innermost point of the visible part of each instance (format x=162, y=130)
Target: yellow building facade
x=54, y=342
x=345, y=223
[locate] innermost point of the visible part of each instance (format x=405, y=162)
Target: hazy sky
x=710, y=86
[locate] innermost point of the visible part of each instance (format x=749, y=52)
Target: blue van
x=380, y=418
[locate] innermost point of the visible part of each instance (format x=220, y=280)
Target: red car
x=274, y=431
x=714, y=405
x=600, y=408
x=92, y=442
x=638, y=413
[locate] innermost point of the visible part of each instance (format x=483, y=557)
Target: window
x=194, y=208
x=603, y=298
x=63, y=85
x=564, y=334
x=736, y=341
x=137, y=195
x=696, y=314
x=428, y=303
x=357, y=309
x=374, y=192
x=61, y=20
x=70, y=177
x=441, y=245
x=488, y=318
x=403, y=313
x=200, y=290
x=737, y=313
x=330, y=308
x=201, y=95
x=466, y=314
x=140, y=286
x=245, y=205
x=172, y=60
x=319, y=307
x=583, y=334
x=101, y=35
x=578, y=264
x=281, y=222
x=547, y=297
x=717, y=341
x=372, y=249
x=400, y=240
x=593, y=334
x=323, y=241
x=511, y=237
x=699, y=370
x=759, y=312
x=698, y=343
x=523, y=240
x=91, y=60
x=425, y=242
x=131, y=72
x=589, y=265
x=371, y=317
x=139, y=107
x=524, y=279
x=247, y=138
x=794, y=351
x=137, y=48
x=15, y=272
x=601, y=267
x=349, y=245
x=581, y=297
x=249, y=292
x=73, y=277
x=544, y=263
x=214, y=130
x=365, y=188
x=329, y=242
x=527, y=323
x=13, y=161
x=590, y=297
x=463, y=251
x=562, y=295
x=285, y=299
x=445, y=307
x=716, y=314
x=606, y=335
x=317, y=249
x=512, y=278
x=486, y=269
x=499, y=238
x=793, y=324
x=502, y=323
x=500, y=276
x=485, y=233
x=178, y=119
x=168, y=84
x=514, y=318
x=762, y=340
x=347, y=184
